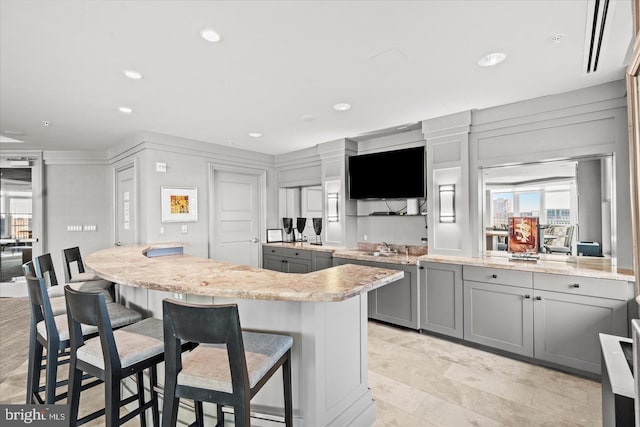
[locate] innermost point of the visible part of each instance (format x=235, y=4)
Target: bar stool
x=51, y=332
x=72, y=255
x=211, y=373
x=44, y=269
x=58, y=305
x=112, y=356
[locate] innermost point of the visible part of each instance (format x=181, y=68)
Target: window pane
x=529, y=204
x=502, y=208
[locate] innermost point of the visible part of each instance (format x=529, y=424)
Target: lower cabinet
x=291, y=260
x=557, y=327
x=285, y=265
x=441, y=307
x=499, y=316
x=397, y=302
x=566, y=327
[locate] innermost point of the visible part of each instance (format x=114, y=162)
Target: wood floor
x=417, y=380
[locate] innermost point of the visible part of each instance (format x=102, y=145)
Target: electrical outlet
x=161, y=230
x=184, y=228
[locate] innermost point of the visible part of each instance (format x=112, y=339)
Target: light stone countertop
x=363, y=255
x=581, y=267
x=188, y=274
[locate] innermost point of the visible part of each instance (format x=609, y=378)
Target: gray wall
x=76, y=195
x=589, y=200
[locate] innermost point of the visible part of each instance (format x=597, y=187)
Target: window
x=551, y=203
x=502, y=208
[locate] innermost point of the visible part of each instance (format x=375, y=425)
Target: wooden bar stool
x=43, y=265
x=51, y=332
x=112, y=356
x=212, y=373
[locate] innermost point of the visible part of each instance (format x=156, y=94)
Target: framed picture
x=523, y=234
x=179, y=204
x=274, y=235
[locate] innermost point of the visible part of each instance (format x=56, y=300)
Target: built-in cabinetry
x=553, y=318
x=397, y=302
x=293, y=260
x=441, y=305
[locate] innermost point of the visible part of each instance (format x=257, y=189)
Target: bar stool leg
x=73, y=395
x=155, y=413
x=112, y=401
x=170, y=403
x=33, y=374
x=143, y=415
x=199, y=414
x=220, y=416
x=52, y=375
x=241, y=415
x=288, y=404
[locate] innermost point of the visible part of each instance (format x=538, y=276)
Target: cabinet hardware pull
x=575, y=285
x=273, y=250
x=538, y=298
x=495, y=276
x=296, y=253
x=527, y=296
x=421, y=268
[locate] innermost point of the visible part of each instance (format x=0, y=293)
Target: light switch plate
x=185, y=228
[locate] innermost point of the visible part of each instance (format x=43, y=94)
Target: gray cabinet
x=499, y=316
x=441, y=299
x=397, y=302
x=567, y=324
x=292, y=260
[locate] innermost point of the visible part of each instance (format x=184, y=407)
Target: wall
x=589, y=202
x=77, y=191
x=586, y=122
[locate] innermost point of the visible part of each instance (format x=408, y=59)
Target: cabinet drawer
x=590, y=286
x=523, y=279
x=288, y=252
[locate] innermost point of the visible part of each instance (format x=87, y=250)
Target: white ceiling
x=396, y=62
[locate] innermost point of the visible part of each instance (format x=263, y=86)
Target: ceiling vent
x=597, y=12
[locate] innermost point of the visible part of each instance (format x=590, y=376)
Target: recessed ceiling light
x=132, y=74
x=255, y=134
x=210, y=35
x=125, y=110
x=342, y=106
x=492, y=59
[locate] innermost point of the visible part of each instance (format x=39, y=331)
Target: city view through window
x=552, y=207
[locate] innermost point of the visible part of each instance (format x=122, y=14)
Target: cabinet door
x=272, y=262
x=397, y=302
x=441, y=298
x=567, y=327
x=322, y=260
x=292, y=265
x=499, y=316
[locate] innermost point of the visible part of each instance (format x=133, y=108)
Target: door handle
x=254, y=240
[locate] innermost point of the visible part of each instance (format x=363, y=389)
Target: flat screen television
x=397, y=174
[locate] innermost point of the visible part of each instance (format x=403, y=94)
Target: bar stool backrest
x=90, y=308
x=41, y=306
x=183, y=321
x=43, y=265
x=28, y=269
x=70, y=256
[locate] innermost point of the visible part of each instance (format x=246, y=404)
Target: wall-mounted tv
x=397, y=174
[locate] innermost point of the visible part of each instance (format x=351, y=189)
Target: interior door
x=125, y=206
x=236, y=218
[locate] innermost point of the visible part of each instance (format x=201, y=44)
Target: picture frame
x=179, y=204
x=274, y=235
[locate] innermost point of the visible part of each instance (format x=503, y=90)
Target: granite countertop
x=581, y=267
x=188, y=274
x=364, y=255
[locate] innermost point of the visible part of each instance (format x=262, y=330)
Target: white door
x=236, y=218
x=125, y=206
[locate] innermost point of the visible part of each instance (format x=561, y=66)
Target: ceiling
x=281, y=66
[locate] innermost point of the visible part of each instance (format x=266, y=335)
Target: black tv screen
x=398, y=174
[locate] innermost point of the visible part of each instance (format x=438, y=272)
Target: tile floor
x=420, y=380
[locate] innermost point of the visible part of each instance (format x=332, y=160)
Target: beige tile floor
x=420, y=380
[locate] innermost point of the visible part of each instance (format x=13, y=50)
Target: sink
x=377, y=253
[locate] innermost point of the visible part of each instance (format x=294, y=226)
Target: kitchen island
x=324, y=311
